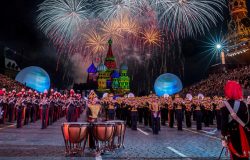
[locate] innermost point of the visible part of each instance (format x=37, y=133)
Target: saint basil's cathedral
x=106, y=77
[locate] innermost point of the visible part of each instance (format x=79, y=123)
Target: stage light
x=218, y=46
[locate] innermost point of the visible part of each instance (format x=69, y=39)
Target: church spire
x=110, y=59
x=110, y=52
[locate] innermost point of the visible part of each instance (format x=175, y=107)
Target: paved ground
x=30, y=142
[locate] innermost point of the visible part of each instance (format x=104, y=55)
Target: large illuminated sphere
x=35, y=78
x=167, y=84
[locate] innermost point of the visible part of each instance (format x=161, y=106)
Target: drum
x=103, y=132
x=120, y=129
x=75, y=137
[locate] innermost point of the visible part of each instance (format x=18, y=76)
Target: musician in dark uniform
x=217, y=105
x=198, y=107
x=164, y=111
x=235, y=128
x=111, y=107
x=11, y=108
x=155, y=116
x=19, y=110
x=188, y=110
x=134, y=114
x=140, y=111
x=170, y=112
x=28, y=103
x=71, y=112
x=51, y=109
x=44, y=111
x=178, y=111
x=207, y=106
x=146, y=113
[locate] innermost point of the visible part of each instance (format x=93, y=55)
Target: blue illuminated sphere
x=35, y=78
x=167, y=84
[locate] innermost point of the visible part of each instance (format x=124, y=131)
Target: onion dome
x=101, y=67
x=115, y=74
x=124, y=67
x=92, y=68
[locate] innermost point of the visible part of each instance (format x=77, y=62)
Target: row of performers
x=153, y=111
x=26, y=107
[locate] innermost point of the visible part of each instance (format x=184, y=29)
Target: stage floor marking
x=178, y=152
x=202, y=134
x=142, y=131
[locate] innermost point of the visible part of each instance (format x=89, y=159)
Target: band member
x=156, y=115
x=71, y=110
x=4, y=106
x=146, y=112
x=217, y=105
x=19, y=110
x=93, y=111
x=235, y=128
x=134, y=115
x=198, y=107
x=11, y=106
x=111, y=107
x=28, y=103
x=140, y=111
x=188, y=110
x=164, y=111
x=170, y=112
x=44, y=111
x=178, y=111
x=207, y=106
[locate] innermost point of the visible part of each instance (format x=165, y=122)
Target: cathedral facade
x=107, y=77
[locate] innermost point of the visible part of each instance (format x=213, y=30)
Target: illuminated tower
x=111, y=64
x=238, y=37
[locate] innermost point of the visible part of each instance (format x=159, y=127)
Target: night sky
x=18, y=31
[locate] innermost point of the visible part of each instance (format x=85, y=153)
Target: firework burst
x=61, y=19
x=108, y=9
x=151, y=36
x=95, y=42
x=190, y=17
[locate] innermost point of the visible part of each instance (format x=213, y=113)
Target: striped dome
x=124, y=67
x=101, y=67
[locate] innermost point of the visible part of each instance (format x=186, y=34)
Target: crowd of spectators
x=214, y=84
x=10, y=84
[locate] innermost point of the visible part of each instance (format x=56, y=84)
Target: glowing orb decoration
x=167, y=84
x=35, y=78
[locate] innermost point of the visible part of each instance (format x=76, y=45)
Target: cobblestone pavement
x=30, y=142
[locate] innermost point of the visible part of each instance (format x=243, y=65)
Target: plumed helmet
x=200, y=96
x=72, y=92
x=189, y=96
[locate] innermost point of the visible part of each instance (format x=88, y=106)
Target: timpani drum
x=75, y=136
x=120, y=129
x=103, y=132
